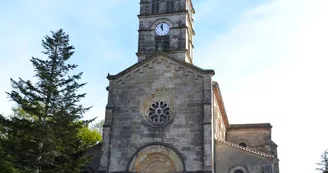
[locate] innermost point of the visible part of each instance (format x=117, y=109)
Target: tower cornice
x=161, y=14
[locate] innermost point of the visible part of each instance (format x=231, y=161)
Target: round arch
x=243, y=141
x=238, y=168
x=156, y=158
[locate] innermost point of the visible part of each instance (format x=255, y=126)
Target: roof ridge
x=260, y=153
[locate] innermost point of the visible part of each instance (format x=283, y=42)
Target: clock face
x=162, y=29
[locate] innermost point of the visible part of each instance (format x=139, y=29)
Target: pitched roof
x=259, y=153
x=140, y=63
x=254, y=125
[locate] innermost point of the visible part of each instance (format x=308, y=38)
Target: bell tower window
x=162, y=43
x=166, y=26
x=155, y=6
x=170, y=6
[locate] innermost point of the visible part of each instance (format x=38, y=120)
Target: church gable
x=144, y=66
x=159, y=100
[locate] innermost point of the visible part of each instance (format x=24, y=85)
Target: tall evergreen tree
x=323, y=165
x=5, y=162
x=49, y=142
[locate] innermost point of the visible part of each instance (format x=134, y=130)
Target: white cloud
x=272, y=67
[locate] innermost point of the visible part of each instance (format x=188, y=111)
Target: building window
x=155, y=6
x=243, y=144
x=239, y=171
x=162, y=43
x=158, y=110
x=159, y=113
x=170, y=6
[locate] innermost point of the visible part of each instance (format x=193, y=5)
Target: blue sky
x=270, y=58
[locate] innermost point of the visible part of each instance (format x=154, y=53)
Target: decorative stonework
x=130, y=74
x=157, y=110
x=159, y=113
x=156, y=159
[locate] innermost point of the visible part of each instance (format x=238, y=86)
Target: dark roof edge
x=253, y=125
x=203, y=71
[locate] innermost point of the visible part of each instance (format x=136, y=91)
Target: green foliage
x=20, y=113
x=44, y=133
x=98, y=126
x=5, y=165
x=89, y=137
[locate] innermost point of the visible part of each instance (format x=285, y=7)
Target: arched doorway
x=156, y=159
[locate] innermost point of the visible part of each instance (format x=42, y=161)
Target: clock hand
x=162, y=27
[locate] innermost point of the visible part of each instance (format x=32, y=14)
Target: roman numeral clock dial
x=162, y=29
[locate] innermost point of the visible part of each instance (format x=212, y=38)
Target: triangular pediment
x=159, y=57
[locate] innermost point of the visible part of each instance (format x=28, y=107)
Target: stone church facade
x=166, y=115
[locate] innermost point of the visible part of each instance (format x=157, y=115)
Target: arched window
x=243, y=144
x=170, y=6
x=155, y=6
x=239, y=171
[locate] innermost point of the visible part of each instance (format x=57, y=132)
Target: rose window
x=159, y=113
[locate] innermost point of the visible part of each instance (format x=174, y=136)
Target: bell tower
x=166, y=26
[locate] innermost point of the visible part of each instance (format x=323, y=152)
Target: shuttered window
x=170, y=6
x=155, y=6
x=162, y=43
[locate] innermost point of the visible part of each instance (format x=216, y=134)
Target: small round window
x=158, y=109
x=238, y=169
x=159, y=113
x=243, y=144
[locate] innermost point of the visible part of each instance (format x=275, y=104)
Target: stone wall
x=219, y=126
x=229, y=159
x=255, y=138
x=145, y=6
x=178, y=34
x=95, y=153
x=181, y=31
x=129, y=131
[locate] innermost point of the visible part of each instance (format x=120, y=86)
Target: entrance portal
x=156, y=159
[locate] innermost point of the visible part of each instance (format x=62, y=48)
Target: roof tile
x=247, y=149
